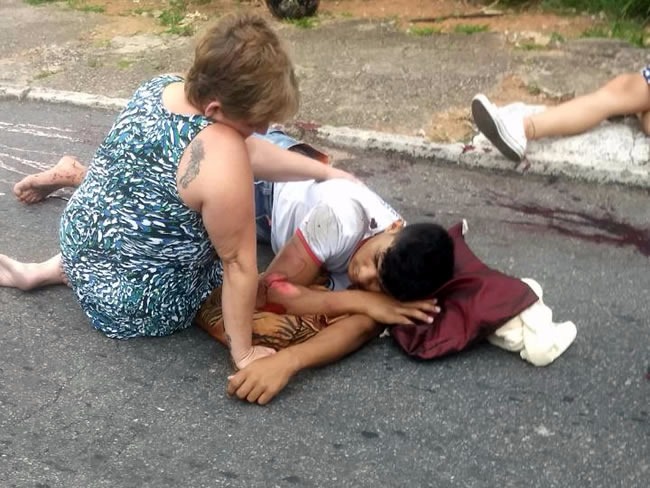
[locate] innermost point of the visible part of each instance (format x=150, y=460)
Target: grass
x=124, y=63
x=44, y=74
x=173, y=17
x=533, y=89
x=80, y=5
x=423, y=31
x=141, y=11
x=557, y=38
x=625, y=19
x=626, y=30
x=531, y=46
x=470, y=28
x=303, y=23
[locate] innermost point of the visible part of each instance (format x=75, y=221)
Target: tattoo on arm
x=193, y=167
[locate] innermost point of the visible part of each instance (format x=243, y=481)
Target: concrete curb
x=479, y=154
x=8, y=91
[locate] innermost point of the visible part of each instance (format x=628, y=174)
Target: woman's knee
x=626, y=94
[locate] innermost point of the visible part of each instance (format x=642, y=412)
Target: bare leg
x=34, y=188
x=27, y=276
x=626, y=94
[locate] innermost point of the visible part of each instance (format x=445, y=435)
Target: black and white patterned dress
x=139, y=260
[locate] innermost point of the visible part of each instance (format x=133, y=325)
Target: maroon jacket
x=477, y=301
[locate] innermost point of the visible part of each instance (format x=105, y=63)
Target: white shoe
x=506, y=132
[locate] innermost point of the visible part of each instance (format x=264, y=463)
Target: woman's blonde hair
x=241, y=63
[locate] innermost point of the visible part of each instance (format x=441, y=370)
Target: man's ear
x=212, y=109
x=395, y=227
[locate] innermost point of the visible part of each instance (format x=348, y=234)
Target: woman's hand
x=254, y=353
x=333, y=173
x=387, y=310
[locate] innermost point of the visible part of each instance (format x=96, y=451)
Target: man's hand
x=261, y=380
x=387, y=310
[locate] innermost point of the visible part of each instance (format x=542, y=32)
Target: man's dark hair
x=418, y=262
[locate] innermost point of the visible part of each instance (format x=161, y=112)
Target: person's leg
x=28, y=276
x=35, y=188
x=624, y=95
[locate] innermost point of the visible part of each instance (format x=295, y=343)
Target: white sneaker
x=506, y=132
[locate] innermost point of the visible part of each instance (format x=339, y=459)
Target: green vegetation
x=44, y=74
x=470, y=28
x=557, y=38
x=84, y=7
x=75, y=4
x=423, y=31
x=124, y=63
x=303, y=22
x=530, y=46
x=173, y=16
x=625, y=19
x=630, y=9
x=140, y=11
x=627, y=30
x=533, y=89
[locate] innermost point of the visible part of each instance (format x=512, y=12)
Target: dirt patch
x=456, y=124
x=136, y=16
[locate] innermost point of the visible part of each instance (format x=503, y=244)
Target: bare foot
x=35, y=188
x=27, y=276
x=14, y=274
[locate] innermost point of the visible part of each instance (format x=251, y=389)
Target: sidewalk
x=364, y=84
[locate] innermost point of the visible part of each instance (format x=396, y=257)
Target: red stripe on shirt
x=307, y=248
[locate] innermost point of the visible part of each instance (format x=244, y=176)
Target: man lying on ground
x=345, y=231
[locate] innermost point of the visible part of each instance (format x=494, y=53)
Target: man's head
x=407, y=263
x=242, y=70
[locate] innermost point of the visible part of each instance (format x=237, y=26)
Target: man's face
x=363, y=270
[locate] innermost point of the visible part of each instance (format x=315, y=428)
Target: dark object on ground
x=292, y=9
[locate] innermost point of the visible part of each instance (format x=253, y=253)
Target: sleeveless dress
x=139, y=260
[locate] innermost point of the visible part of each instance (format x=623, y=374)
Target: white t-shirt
x=331, y=219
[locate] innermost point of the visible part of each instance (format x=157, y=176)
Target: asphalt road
x=80, y=410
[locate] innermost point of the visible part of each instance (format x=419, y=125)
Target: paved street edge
x=418, y=147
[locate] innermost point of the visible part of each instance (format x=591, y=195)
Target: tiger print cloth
x=139, y=260
x=272, y=330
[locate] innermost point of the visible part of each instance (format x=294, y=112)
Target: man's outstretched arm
x=261, y=380
x=278, y=295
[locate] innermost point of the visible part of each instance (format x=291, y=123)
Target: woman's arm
x=215, y=178
x=272, y=163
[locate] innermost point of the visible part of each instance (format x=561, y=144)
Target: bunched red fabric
x=477, y=301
